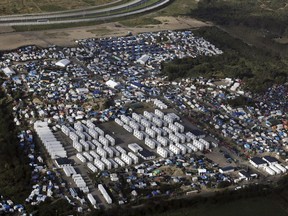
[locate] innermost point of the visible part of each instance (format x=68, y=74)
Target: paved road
x=76, y=17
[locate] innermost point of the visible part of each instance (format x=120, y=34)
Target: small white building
x=63, y=63
x=112, y=84
x=143, y=59
x=8, y=71
x=258, y=162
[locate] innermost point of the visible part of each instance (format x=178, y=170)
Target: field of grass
x=140, y=21
x=258, y=22
x=37, y=6
x=248, y=207
x=177, y=8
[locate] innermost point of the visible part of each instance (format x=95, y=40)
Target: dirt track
x=66, y=37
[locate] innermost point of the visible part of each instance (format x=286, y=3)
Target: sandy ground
x=66, y=37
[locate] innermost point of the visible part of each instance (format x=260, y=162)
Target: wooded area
x=258, y=68
x=15, y=173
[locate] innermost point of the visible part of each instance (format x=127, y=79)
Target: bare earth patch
x=67, y=37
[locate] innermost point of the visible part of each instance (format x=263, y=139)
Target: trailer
x=127, y=128
x=81, y=157
x=121, y=150
x=99, y=164
x=275, y=169
x=91, y=199
x=99, y=131
x=87, y=156
x=92, y=167
x=269, y=170
x=134, y=157
x=119, y=122
x=280, y=167
x=115, y=151
x=97, y=143
x=107, y=163
x=162, y=152
x=113, y=162
x=105, y=194
x=119, y=161
x=127, y=159
x=94, y=154
x=150, y=143
x=110, y=139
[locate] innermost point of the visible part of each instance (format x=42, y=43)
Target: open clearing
x=67, y=37
x=37, y=6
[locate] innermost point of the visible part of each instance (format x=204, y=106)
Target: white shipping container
x=174, y=149
x=111, y=139
x=99, y=131
x=134, y=157
x=119, y=161
x=269, y=170
x=97, y=143
x=91, y=145
x=92, y=167
x=275, y=169
x=107, y=163
x=109, y=151
x=115, y=151
x=105, y=194
x=119, y=122
x=94, y=154
x=127, y=128
x=114, y=164
x=128, y=160
x=81, y=157
x=99, y=164
x=180, y=126
x=121, y=150
x=91, y=199
x=87, y=156
x=280, y=167
x=101, y=152
x=162, y=152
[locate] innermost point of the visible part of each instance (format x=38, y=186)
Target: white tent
x=111, y=84
x=8, y=71
x=143, y=59
x=63, y=63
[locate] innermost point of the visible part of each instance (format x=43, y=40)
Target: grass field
x=37, y=6
x=247, y=207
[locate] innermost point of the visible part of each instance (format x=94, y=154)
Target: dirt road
x=66, y=37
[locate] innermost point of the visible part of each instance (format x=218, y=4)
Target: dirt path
x=66, y=37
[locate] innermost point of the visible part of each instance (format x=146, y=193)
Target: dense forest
x=15, y=172
x=268, y=15
x=258, y=66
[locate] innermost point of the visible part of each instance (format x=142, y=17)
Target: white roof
x=143, y=59
x=8, y=71
x=63, y=63
x=111, y=83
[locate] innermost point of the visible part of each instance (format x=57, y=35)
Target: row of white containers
x=52, y=145
x=102, y=163
x=105, y=194
x=87, y=132
x=177, y=149
x=80, y=183
x=77, y=178
x=155, y=136
x=160, y=104
x=275, y=169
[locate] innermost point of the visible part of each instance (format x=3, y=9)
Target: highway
x=81, y=15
